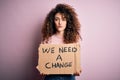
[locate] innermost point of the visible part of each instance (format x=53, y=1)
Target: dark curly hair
x=71, y=32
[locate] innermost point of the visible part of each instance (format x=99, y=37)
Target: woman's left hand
x=78, y=73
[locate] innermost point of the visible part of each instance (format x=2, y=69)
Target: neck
x=60, y=34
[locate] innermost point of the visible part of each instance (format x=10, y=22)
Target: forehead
x=60, y=15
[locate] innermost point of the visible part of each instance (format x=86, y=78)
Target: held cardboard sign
x=59, y=58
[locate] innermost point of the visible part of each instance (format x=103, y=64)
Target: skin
x=60, y=24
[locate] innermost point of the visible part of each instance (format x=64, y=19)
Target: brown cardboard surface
x=59, y=58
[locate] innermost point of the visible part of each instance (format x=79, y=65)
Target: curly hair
x=71, y=32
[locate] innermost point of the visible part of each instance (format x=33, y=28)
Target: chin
x=60, y=30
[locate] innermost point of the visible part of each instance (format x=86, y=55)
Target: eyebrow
x=58, y=17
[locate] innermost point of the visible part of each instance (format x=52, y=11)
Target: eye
x=64, y=19
x=56, y=19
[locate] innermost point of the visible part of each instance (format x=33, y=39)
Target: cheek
x=56, y=23
x=65, y=24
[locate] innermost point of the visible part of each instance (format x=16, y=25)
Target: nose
x=60, y=22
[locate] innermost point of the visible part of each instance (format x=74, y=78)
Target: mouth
x=59, y=26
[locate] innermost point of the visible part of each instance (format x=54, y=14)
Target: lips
x=59, y=26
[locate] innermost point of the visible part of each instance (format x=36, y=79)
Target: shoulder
x=46, y=41
x=78, y=41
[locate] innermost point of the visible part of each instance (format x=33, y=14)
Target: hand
x=78, y=73
x=42, y=74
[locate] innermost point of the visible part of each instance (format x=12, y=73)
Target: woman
x=61, y=26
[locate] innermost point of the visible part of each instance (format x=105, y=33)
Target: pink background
x=20, y=26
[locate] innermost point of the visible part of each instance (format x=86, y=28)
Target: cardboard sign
x=59, y=58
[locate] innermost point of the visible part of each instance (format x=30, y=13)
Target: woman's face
x=60, y=22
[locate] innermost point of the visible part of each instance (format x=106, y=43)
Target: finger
x=77, y=74
x=42, y=74
x=80, y=71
